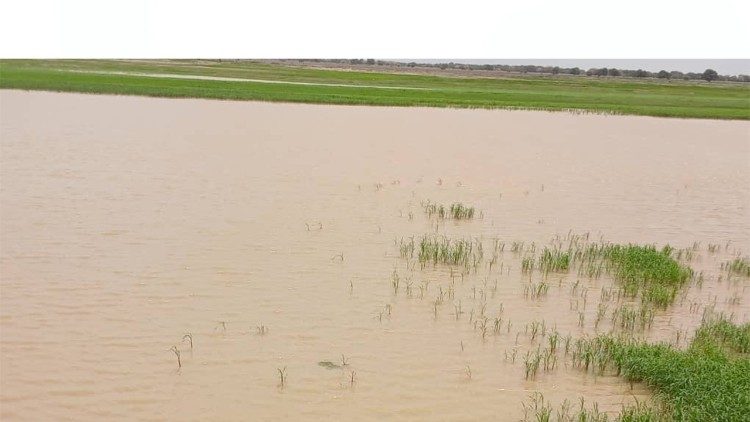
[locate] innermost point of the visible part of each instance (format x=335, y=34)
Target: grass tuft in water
x=739, y=266
x=437, y=249
x=456, y=211
x=652, y=272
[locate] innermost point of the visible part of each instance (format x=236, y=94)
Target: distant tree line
x=707, y=75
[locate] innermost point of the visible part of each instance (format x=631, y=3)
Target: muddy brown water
x=127, y=222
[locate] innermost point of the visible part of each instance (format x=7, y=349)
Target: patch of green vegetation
x=554, y=260
x=456, y=211
x=654, y=273
x=460, y=211
x=445, y=251
x=537, y=408
x=710, y=381
x=436, y=249
x=718, y=332
x=619, y=96
x=641, y=270
x=740, y=266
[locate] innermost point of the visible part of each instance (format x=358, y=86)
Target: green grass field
x=612, y=95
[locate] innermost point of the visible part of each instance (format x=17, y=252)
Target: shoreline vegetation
x=280, y=82
x=709, y=379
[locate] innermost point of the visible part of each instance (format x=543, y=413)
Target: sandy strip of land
x=226, y=79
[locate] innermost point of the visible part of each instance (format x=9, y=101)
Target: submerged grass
x=554, y=260
x=456, y=211
x=537, y=408
x=437, y=249
x=739, y=266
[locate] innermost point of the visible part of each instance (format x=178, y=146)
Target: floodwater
x=127, y=222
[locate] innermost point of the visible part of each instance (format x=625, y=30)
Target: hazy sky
x=724, y=67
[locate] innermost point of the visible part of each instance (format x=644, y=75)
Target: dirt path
x=227, y=79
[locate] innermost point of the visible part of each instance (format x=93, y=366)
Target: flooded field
x=208, y=260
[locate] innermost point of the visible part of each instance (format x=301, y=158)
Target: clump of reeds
x=554, y=340
x=536, y=408
x=527, y=264
x=460, y=211
x=456, y=211
x=531, y=362
x=539, y=409
x=395, y=281
x=554, y=260
x=739, y=266
x=536, y=290
x=719, y=329
x=644, y=268
x=434, y=209
x=436, y=249
x=536, y=328
x=629, y=319
x=601, y=312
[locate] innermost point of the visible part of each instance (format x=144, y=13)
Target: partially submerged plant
x=395, y=281
x=441, y=250
x=177, y=353
x=539, y=409
x=554, y=260
x=535, y=290
x=282, y=376
x=531, y=363
x=739, y=266
x=456, y=211
x=189, y=337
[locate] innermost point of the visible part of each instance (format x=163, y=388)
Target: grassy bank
x=708, y=381
x=285, y=83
